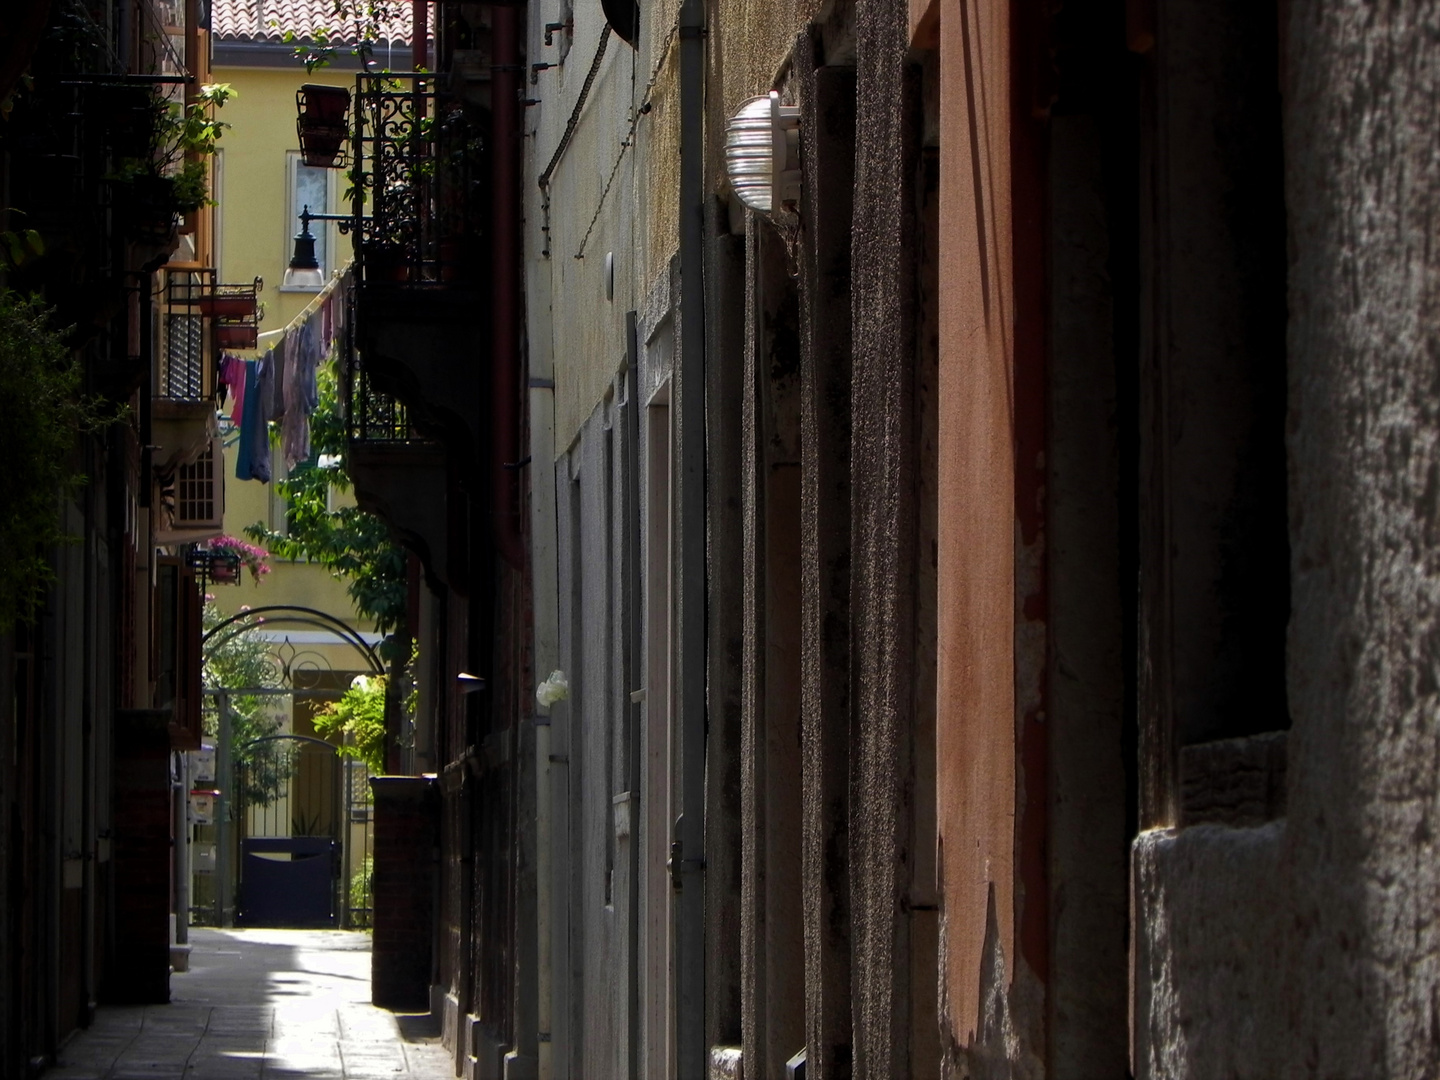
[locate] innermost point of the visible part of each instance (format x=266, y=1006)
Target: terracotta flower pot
x=229, y=336
x=320, y=123
x=324, y=104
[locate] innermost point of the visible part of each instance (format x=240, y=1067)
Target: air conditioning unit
x=194, y=501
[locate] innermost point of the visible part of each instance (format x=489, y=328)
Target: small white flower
x=555, y=688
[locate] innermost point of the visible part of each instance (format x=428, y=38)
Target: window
x=309, y=186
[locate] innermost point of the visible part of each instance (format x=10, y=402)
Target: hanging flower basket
x=321, y=113
x=236, y=336
x=229, y=302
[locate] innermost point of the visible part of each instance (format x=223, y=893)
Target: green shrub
x=360, y=714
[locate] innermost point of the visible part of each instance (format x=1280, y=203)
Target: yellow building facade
x=262, y=188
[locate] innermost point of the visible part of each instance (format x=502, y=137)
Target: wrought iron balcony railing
x=200, y=318
x=372, y=416
x=419, y=167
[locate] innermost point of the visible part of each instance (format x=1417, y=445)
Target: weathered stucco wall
x=750, y=44
x=975, y=723
x=1209, y=919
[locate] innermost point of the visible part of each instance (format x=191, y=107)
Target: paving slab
x=260, y=1005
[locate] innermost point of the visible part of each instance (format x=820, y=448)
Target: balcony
x=398, y=474
x=198, y=317
x=419, y=180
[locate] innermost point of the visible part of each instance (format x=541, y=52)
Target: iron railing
x=372, y=416
x=201, y=317
x=419, y=168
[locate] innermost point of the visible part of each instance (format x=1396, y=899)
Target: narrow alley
x=720, y=539
x=260, y=1005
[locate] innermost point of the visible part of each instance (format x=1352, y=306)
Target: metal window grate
x=184, y=376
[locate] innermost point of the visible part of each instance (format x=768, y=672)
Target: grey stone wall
x=1362, y=99
x=1308, y=947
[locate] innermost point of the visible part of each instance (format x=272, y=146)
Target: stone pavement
x=260, y=1005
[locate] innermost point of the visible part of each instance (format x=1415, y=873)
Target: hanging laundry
x=277, y=379
x=312, y=355
x=257, y=421
x=327, y=323
x=251, y=409
x=302, y=358
x=232, y=376
x=293, y=441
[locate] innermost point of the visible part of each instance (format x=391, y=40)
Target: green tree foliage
x=352, y=544
x=360, y=715
x=42, y=413
x=363, y=24
x=238, y=658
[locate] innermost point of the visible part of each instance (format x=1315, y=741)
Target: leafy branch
x=369, y=20
x=351, y=543
x=360, y=715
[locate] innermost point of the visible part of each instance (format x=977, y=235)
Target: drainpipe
x=180, y=826
x=504, y=280
x=544, y=592
x=88, y=849
x=419, y=35
x=689, y=846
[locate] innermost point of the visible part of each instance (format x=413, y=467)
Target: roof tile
x=270, y=20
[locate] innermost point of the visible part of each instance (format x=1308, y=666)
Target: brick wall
x=405, y=839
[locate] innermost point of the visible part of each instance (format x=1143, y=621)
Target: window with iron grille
x=195, y=500
x=183, y=378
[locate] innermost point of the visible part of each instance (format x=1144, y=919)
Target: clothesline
x=281, y=384
x=314, y=304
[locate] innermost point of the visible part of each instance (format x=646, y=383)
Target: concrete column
x=827, y=131
x=725, y=634
x=1362, y=190
x=883, y=509
x=772, y=965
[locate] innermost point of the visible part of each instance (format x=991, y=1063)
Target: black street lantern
x=304, y=269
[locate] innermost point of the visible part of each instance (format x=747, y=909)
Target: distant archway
x=262, y=860
x=290, y=615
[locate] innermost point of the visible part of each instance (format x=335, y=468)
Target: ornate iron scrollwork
x=420, y=163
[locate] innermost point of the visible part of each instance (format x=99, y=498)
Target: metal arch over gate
x=293, y=614
x=288, y=875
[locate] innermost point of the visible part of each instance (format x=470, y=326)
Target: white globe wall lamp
x=762, y=153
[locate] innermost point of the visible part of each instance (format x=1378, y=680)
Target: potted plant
x=170, y=176
x=230, y=301
x=321, y=123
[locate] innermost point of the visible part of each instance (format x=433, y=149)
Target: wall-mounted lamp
x=762, y=153
x=466, y=683
x=304, y=269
